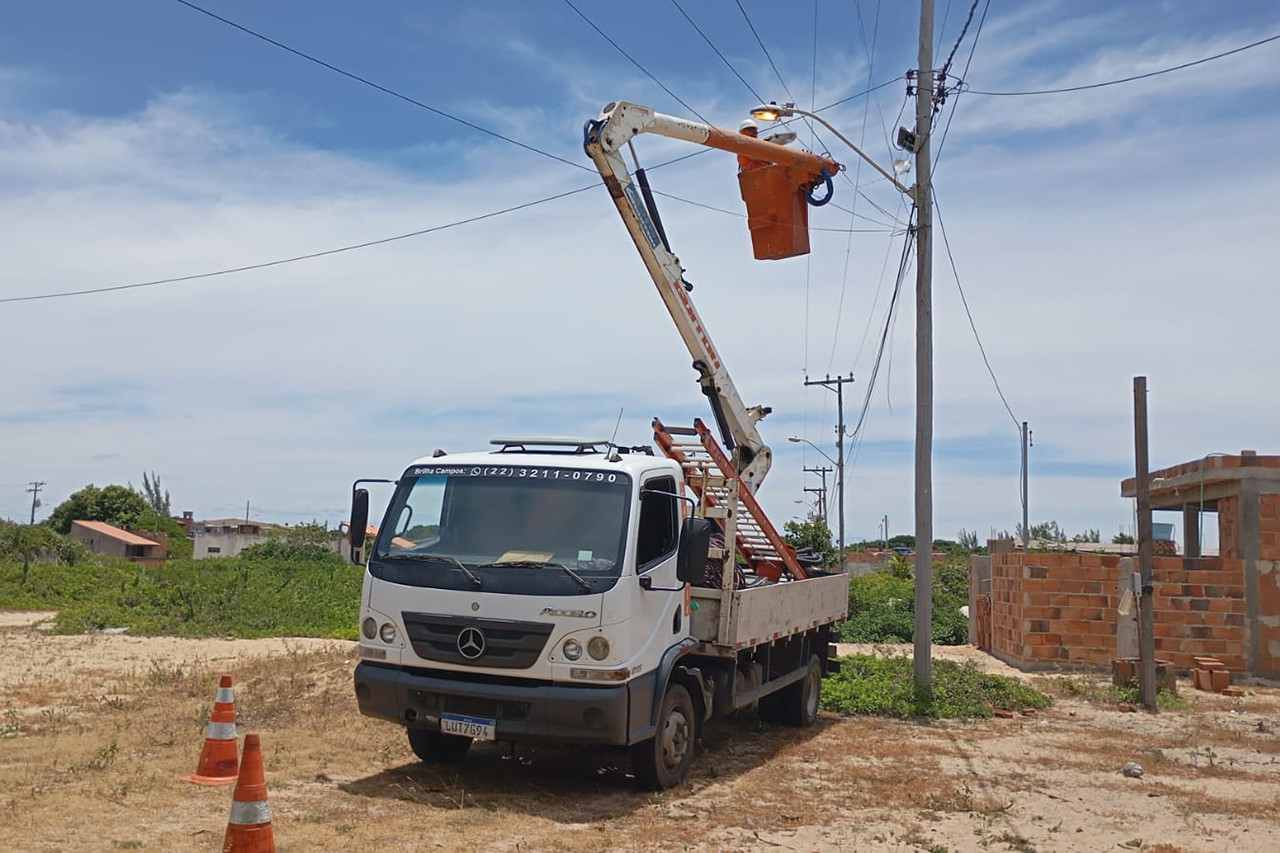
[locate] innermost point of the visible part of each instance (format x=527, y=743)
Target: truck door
x=659, y=620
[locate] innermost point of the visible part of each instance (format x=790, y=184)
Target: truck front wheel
x=438, y=748
x=662, y=761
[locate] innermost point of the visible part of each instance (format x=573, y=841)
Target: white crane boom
x=604, y=138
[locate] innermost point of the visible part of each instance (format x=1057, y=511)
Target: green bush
x=871, y=684
x=317, y=595
x=882, y=605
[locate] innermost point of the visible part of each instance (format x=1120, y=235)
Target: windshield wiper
x=537, y=564
x=441, y=558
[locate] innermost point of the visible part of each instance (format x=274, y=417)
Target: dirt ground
x=95, y=731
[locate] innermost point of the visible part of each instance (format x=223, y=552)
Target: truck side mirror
x=359, y=518
x=695, y=544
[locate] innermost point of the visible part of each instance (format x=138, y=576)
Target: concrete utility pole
x=839, y=383
x=1026, y=475
x=1146, y=608
x=36, y=486
x=922, y=651
x=886, y=533
x=820, y=491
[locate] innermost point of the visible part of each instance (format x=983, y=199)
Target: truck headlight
x=572, y=649
x=598, y=648
x=387, y=633
x=369, y=628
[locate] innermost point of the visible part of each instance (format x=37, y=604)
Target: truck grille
x=500, y=643
x=473, y=706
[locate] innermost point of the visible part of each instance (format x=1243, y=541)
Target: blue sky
x=1098, y=235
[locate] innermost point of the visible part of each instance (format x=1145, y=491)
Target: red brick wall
x=1061, y=609
x=1269, y=512
x=1229, y=527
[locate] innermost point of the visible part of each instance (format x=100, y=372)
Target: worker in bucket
x=745, y=163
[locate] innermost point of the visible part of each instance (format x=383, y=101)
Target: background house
x=112, y=541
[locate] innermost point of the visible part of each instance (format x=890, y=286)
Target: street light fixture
x=839, y=463
x=774, y=111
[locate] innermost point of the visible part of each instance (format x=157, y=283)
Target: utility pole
x=886, y=533
x=1026, y=531
x=839, y=383
x=820, y=491
x=1146, y=608
x=922, y=651
x=36, y=486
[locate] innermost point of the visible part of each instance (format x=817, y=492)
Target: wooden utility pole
x=36, y=486
x=1146, y=609
x=922, y=651
x=820, y=491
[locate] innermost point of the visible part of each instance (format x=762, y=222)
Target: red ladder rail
x=708, y=472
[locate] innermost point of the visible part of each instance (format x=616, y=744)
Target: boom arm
x=605, y=136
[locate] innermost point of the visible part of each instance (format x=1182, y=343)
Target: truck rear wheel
x=798, y=703
x=437, y=748
x=662, y=761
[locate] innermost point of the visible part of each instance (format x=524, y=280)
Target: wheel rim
x=813, y=683
x=675, y=738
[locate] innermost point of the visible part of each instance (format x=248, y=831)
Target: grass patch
x=872, y=684
x=252, y=595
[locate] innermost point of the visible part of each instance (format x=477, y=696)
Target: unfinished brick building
x=1037, y=610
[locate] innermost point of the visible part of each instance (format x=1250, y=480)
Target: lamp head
x=771, y=111
x=794, y=439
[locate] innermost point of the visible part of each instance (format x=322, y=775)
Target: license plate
x=480, y=728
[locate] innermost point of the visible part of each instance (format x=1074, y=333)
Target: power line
x=306, y=257
x=1225, y=53
x=711, y=45
x=946, y=66
x=760, y=42
x=885, y=230
x=969, y=314
x=633, y=61
x=384, y=89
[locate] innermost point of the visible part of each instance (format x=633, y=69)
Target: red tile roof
x=115, y=532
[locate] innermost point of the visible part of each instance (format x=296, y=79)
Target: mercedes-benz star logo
x=470, y=643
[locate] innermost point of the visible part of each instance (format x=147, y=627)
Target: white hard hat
x=748, y=123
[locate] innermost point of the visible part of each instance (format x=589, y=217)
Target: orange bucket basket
x=777, y=209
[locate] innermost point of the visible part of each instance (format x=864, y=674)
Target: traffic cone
x=218, y=758
x=249, y=829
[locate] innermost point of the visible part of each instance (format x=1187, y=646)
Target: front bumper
x=530, y=712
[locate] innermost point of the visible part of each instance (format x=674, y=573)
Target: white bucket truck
x=573, y=591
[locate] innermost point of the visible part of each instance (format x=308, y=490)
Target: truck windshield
x=515, y=529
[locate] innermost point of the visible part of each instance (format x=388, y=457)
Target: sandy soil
x=95, y=731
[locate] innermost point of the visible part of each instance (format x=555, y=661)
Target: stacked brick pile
x=1212, y=675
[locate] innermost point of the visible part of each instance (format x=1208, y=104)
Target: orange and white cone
x=219, y=757
x=249, y=829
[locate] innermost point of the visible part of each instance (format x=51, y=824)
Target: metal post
x=922, y=651
x=1146, y=627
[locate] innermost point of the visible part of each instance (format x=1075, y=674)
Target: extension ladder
x=713, y=477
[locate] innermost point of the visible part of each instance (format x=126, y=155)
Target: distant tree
x=27, y=541
x=1122, y=538
x=1088, y=535
x=122, y=507
x=1046, y=531
x=967, y=539
x=156, y=498
x=812, y=533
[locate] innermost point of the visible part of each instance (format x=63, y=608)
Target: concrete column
x=1191, y=530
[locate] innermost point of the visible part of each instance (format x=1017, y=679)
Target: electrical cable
x=633, y=61
x=946, y=66
x=1180, y=67
x=964, y=300
x=977, y=34
x=734, y=213
x=711, y=45
x=306, y=257
x=384, y=89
